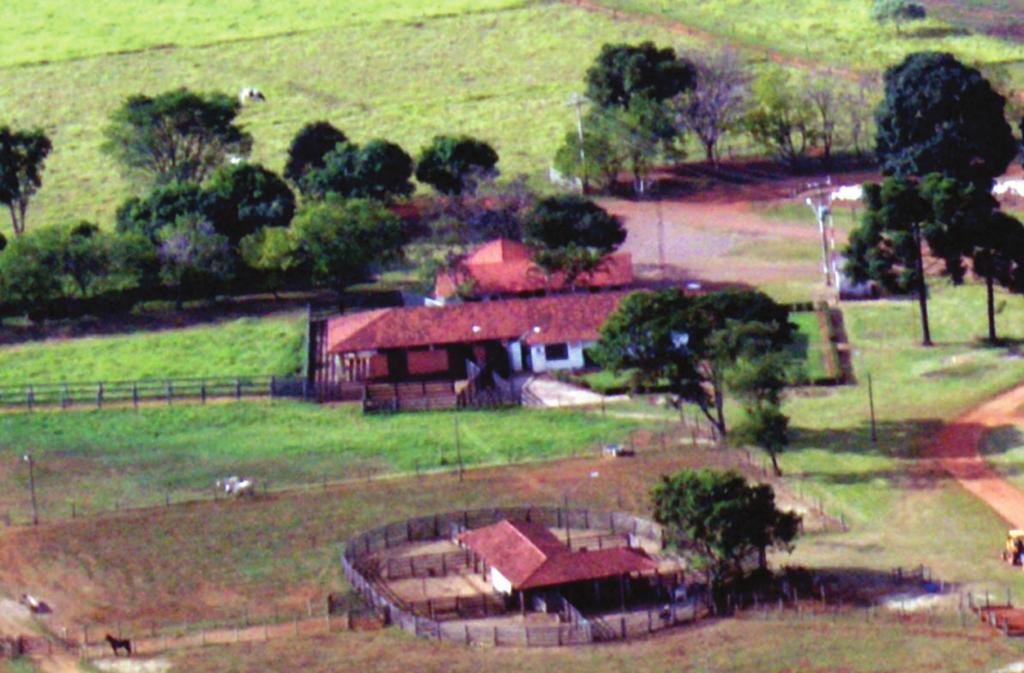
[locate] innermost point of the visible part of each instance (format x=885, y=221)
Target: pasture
x=120, y=457
x=243, y=346
x=503, y=75
x=825, y=33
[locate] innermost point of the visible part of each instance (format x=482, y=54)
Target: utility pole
x=819, y=202
x=32, y=486
x=576, y=101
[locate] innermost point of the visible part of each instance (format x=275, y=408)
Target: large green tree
x=572, y=234
x=622, y=72
x=22, y=155
x=719, y=521
x=941, y=116
x=997, y=252
x=42, y=270
x=690, y=343
x=308, y=148
x=456, y=164
x=342, y=241
x=780, y=118
x=246, y=197
x=163, y=205
x=377, y=170
x=176, y=135
x=758, y=382
x=887, y=245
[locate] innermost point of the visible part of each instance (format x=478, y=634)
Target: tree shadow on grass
x=907, y=441
x=936, y=32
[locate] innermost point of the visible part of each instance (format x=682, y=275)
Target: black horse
x=117, y=644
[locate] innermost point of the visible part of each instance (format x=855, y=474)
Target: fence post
x=202, y=391
x=135, y=395
x=238, y=389
x=170, y=392
x=273, y=385
x=30, y=396
x=99, y=395
x=64, y=397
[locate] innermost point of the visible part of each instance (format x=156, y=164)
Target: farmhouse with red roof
x=449, y=342
x=505, y=268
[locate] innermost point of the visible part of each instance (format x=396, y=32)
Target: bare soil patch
x=956, y=450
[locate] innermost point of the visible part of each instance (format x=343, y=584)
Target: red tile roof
x=530, y=556
x=506, y=267
x=560, y=319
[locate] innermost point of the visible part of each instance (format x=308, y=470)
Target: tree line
x=205, y=221
x=942, y=139
x=646, y=102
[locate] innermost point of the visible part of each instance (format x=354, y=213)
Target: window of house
x=556, y=352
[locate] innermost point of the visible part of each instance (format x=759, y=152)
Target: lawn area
x=503, y=76
x=100, y=459
x=246, y=346
x=809, y=349
x=838, y=33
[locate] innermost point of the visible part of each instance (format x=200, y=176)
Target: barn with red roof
x=522, y=558
x=505, y=268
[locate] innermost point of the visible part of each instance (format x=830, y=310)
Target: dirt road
x=957, y=450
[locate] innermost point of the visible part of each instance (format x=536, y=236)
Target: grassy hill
x=504, y=76
x=498, y=69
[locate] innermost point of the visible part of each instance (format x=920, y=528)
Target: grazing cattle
x=117, y=644
x=248, y=94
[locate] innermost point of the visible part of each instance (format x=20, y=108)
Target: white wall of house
x=500, y=582
x=542, y=363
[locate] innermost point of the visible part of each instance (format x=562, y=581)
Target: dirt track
x=957, y=450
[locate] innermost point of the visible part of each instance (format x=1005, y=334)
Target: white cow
x=248, y=94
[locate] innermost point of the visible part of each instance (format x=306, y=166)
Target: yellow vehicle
x=1014, y=550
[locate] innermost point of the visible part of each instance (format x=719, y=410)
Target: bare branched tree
x=823, y=96
x=718, y=100
x=858, y=102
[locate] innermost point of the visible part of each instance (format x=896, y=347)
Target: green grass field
x=504, y=76
x=894, y=506
x=59, y=30
x=99, y=459
x=820, y=33
x=246, y=346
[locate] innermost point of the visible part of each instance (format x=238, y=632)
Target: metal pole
x=871, y=406
x=32, y=486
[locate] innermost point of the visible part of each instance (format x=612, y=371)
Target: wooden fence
x=440, y=620
x=99, y=394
